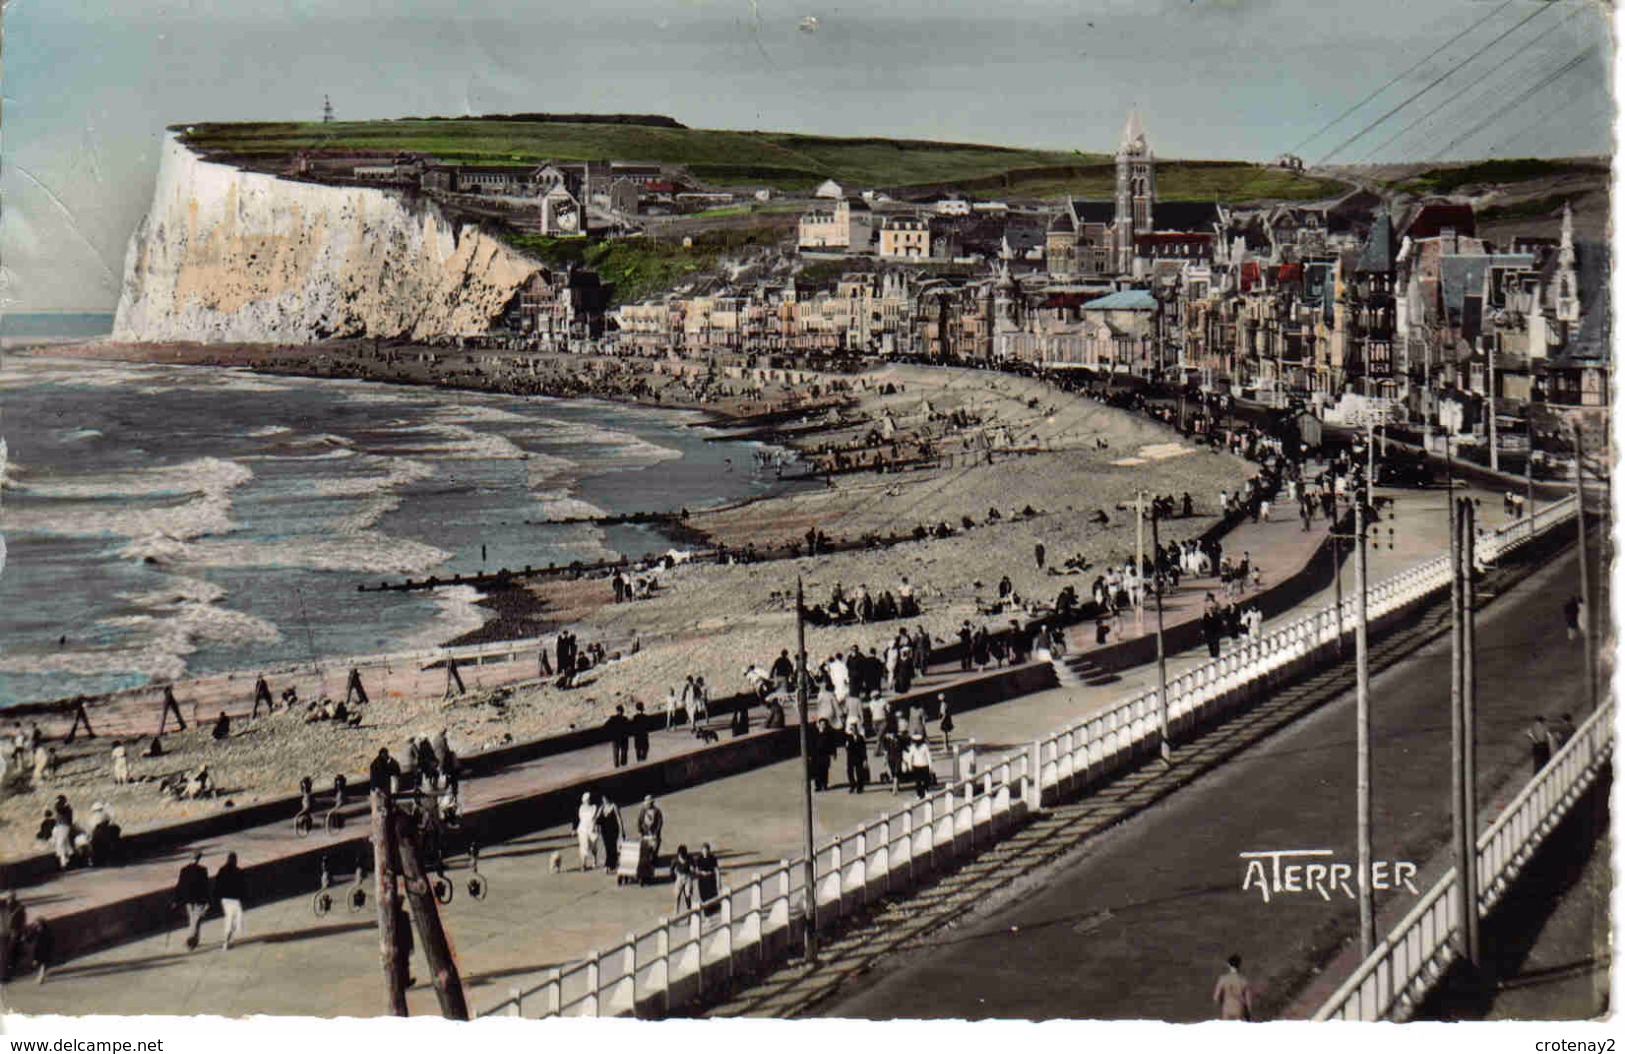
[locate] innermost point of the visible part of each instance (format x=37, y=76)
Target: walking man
x=1571, y=616
x=1540, y=745
x=620, y=734
x=228, y=890
x=192, y=896
x=1234, y=993
x=918, y=761
x=640, y=732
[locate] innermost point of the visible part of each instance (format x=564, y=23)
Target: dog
x=705, y=735
x=555, y=864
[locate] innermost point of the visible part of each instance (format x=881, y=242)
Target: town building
x=904, y=238
x=847, y=226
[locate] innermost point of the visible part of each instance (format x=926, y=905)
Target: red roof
x=661, y=186
x=1250, y=275
x=1289, y=272
x=1068, y=299
x=1174, y=238
x=1438, y=215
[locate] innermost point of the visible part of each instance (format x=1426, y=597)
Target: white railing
x=1399, y=972
x=1107, y=743
x=748, y=929
x=679, y=960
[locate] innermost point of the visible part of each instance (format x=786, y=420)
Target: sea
x=161, y=521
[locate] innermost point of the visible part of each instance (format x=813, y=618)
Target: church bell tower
x=1136, y=191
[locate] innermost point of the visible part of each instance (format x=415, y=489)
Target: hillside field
x=785, y=161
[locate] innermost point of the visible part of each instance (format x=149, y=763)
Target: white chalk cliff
x=228, y=255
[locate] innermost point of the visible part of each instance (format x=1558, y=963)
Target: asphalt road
x=1140, y=923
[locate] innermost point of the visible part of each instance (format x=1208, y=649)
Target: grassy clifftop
x=1448, y=179
x=784, y=160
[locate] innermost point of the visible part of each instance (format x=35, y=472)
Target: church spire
x=1566, y=283
x=1565, y=248
x=1133, y=140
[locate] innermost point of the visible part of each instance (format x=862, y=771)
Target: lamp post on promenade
x=810, y=875
x=1162, y=659
x=1362, y=697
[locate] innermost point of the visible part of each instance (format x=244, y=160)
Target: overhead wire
x=1434, y=83
x=1329, y=125
x=1568, y=67
x=1464, y=90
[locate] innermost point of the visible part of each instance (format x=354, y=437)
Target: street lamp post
x=1162, y=661
x=1362, y=681
x=810, y=875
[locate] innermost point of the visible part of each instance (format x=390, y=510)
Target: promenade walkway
x=533, y=919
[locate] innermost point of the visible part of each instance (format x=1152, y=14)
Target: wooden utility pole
x=810, y=874
x=384, y=866
x=1588, y=616
x=1162, y=660
x=448, y=982
x=1468, y=876
x=1362, y=698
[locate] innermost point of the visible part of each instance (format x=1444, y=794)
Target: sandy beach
x=998, y=444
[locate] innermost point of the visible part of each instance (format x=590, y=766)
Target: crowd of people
x=603, y=841
x=95, y=843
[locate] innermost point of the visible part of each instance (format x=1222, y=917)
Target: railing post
x=727, y=927
x=518, y=1001
x=630, y=961
x=863, y=869
x=840, y=880
x=663, y=956
x=1035, y=776
x=555, y=992
x=694, y=927
x=593, y=1008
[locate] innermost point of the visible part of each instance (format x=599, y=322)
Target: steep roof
x=1462, y=275
x=1378, y=255
x=1436, y=216
x=1184, y=215
x=1124, y=300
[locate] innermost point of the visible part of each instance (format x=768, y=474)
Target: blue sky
x=88, y=92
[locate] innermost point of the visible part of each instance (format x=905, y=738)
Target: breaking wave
x=363, y=551
x=170, y=624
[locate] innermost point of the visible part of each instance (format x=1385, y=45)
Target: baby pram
x=636, y=862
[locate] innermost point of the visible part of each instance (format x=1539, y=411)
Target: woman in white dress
x=587, y=832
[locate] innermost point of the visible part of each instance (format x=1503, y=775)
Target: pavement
x=534, y=919
x=1138, y=922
